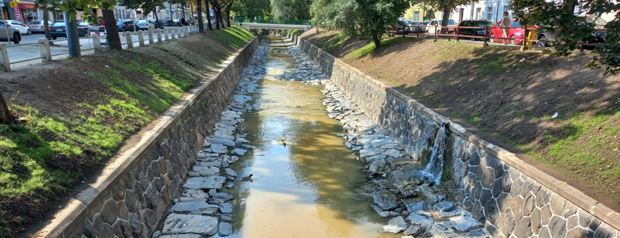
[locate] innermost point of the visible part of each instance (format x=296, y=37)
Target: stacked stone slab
x=506, y=200
x=132, y=200
x=203, y=209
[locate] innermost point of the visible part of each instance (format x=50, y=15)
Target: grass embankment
x=79, y=113
x=510, y=95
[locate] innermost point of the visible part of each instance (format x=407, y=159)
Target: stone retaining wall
x=130, y=200
x=511, y=197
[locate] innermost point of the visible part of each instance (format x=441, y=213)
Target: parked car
x=167, y=22
x=144, y=25
x=431, y=26
x=85, y=25
x=515, y=33
x=9, y=34
x=414, y=26
x=156, y=24
x=20, y=26
x=125, y=25
x=598, y=36
x=59, y=30
x=400, y=28
x=177, y=22
x=38, y=26
x=474, y=31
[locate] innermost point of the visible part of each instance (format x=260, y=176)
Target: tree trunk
x=217, y=18
x=46, y=19
x=201, y=27
x=114, y=40
x=377, y=40
x=208, y=16
x=5, y=116
x=445, y=19
x=228, y=12
x=156, y=17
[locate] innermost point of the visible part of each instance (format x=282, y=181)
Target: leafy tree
x=366, y=17
x=149, y=6
x=573, y=29
x=374, y=15
x=446, y=6
x=291, y=9
x=251, y=8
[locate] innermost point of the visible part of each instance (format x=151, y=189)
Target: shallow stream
x=304, y=176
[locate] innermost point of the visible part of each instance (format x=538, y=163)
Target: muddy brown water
x=306, y=188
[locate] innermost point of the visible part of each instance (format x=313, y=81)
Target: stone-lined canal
x=293, y=157
x=306, y=187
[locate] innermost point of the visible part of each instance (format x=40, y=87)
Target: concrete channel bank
x=511, y=197
x=130, y=197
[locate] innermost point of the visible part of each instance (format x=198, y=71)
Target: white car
x=23, y=29
x=145, y=25
x=431, y=26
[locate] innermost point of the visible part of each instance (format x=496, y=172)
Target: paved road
x=29, y=50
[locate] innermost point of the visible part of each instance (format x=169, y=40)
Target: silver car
x=38, y=26
x=13, y=34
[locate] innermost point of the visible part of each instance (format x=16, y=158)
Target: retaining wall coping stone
x=74, y=213
x=562, y=188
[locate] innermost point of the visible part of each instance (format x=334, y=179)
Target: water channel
x=306, y=187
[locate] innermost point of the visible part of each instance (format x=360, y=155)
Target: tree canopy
x=291, y=9
x=364, y=17
x=575, y=28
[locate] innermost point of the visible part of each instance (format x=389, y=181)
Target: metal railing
x=18, y=53
x=271, y=21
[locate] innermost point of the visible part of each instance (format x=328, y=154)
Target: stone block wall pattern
x=511, y=197
x=130, y=198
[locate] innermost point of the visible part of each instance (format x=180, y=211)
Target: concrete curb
x=563, y=189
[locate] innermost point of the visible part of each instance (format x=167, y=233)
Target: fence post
x=166, y=32
x=129, y=40
x=141, y=38
x=524, y=42
x=435, y=34
x=4, y=57
x=174, y=31
x=457, y=32
x=418, y=32
x=486, y=33
x=97, y=43
x=44, y=47
x=159, y=36
x=151, y=40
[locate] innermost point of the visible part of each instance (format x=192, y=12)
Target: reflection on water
x=303, y=189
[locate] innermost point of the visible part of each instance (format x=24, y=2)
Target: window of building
x=478, y=12
x=416, y=16
x=489, y=13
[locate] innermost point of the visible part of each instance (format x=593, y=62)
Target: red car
x=515, y=34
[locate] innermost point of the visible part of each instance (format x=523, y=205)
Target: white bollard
x=97, y=43
x=44, y=47
x=128, y=38
x=151, y=40
x=159, y=35
x=174, y=32
x=166, y=34
x=141, y=38
x=4, y=58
